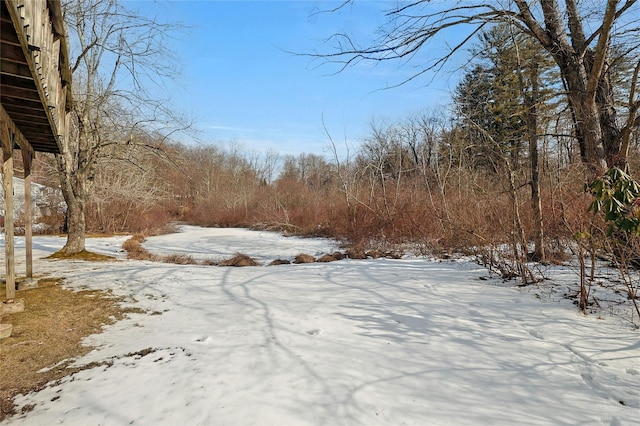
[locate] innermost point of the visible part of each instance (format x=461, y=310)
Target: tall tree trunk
x=531, y=99
x=612, y=142
x=586, y=117
x=585, y=72
x=633, y=120
x=520, y=248
x=74, y=183
x=76, y=226
x=532, y=131
x=76, y=172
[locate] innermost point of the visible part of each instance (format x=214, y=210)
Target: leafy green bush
x=616, y=195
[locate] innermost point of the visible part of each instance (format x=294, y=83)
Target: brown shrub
x=134, y=249
x=393, y=254
x=356, y=253
x=338, y=255
x=304, y=258
x=375, y=254
x=331, y=257
x=280, y=262
x=327, y=258
x=179, y=259
x=139, y=237
x=53, y=223
x=120, y=215
x=131, y=245
x=239, y=260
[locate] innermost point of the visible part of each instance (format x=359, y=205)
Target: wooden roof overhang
x=35, y=99
x=35, y=78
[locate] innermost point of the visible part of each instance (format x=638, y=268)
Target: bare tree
x=124, y=193
x=578, y=35
x=118, y=56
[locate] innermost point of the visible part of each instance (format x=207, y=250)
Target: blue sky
x=241, y=85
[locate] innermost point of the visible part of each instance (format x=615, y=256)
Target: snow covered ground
x=354, y=342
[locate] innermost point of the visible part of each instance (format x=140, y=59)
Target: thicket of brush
x=430, y=194
x=423, y=184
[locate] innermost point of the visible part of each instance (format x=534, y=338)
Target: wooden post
x=7, y=183
x=27, y=158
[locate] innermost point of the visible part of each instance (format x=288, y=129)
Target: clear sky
x=242, y=85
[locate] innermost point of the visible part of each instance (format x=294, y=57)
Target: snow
x=222, y=243
x=354, y=342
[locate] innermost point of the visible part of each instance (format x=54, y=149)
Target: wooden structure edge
x=35, y=100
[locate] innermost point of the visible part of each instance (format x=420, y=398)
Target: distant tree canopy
x=494, y=96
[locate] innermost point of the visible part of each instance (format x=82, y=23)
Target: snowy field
x=354, y=342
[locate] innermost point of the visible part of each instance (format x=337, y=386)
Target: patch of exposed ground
x=47, y=336
x=83, y=255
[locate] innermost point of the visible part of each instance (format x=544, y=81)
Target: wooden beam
x=17, y=81
x=21, y=94
x=27, y=159
x=18, y=137
x=34, y=124
x=10, y=54
x=16, y=69
x=11, y=136
x=7, y=184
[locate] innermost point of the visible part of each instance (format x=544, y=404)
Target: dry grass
x=239, y=260
x=138, y=237
x=280, y=262
x=179, y=259
x=83, y=255
x=356, y=253
x=48, y=333
x=327, y=258
x=304, y=258
x=134, y=249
